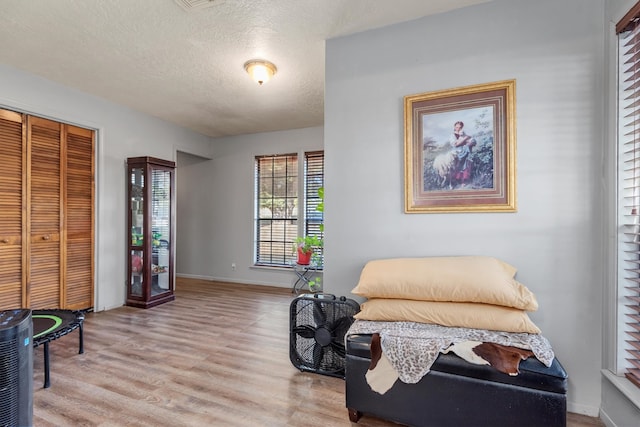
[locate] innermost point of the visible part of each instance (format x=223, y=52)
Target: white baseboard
x=607, y=420
x=230, y=280
x=107, y=308
x=577, y=408
x=194, y=276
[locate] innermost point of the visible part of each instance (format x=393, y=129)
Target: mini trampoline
x=49, y=325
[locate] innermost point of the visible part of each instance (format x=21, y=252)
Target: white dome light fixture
x=260, y=70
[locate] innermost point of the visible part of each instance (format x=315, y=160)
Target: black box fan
x=318, y=324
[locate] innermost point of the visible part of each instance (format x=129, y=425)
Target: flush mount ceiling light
x=259, y=70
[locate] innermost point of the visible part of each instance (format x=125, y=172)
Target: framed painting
x=460, y=149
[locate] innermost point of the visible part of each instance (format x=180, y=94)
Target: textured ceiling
x=186, y=66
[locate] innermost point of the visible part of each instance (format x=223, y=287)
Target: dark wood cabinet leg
x=354, y=415
x=81, y=340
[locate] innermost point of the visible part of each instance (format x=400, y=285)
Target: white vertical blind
x=629, y=209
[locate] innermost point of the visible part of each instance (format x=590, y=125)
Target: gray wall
x=122, y=133
x=216, y=205
x=555, y=51
x=194, y=200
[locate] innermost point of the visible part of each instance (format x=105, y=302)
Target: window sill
x=270, y=267
x=625, y=386
x=279, y=268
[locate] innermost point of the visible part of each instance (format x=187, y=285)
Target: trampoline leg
x=47, y=382
x=81, y=349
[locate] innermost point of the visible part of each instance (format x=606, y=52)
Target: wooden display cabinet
x=151, y=196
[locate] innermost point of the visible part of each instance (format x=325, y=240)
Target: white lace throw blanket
x=413, y=347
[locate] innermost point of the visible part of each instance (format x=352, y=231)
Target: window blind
x=314, y=180
x=276, y=216
x=629, y=172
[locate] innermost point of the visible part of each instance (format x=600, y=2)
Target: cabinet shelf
x=151, y=231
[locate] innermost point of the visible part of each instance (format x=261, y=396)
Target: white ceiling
x=187, y=66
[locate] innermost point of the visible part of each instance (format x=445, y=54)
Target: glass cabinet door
x=137, y=231
x=160, y=230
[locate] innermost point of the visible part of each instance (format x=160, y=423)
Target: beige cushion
x=457, y=279
x=456, y=314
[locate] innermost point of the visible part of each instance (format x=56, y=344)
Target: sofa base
x=447, y=399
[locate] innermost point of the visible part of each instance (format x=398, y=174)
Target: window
x=314, y=182
x=628, y=359
x=279, y=194
x=276, y=208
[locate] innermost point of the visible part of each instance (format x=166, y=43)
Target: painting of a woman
x=450, y=161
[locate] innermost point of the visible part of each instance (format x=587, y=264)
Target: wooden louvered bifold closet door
x=46, y=213
x=12, y=200
x=78, y=226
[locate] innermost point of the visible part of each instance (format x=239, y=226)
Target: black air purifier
x=16, y=368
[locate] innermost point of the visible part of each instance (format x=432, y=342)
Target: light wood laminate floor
x=216, y=356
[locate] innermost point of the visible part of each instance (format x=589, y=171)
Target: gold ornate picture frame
x=460, y=149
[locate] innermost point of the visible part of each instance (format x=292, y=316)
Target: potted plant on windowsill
x=304, y=247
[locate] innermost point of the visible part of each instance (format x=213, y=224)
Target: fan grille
x=318, y=327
